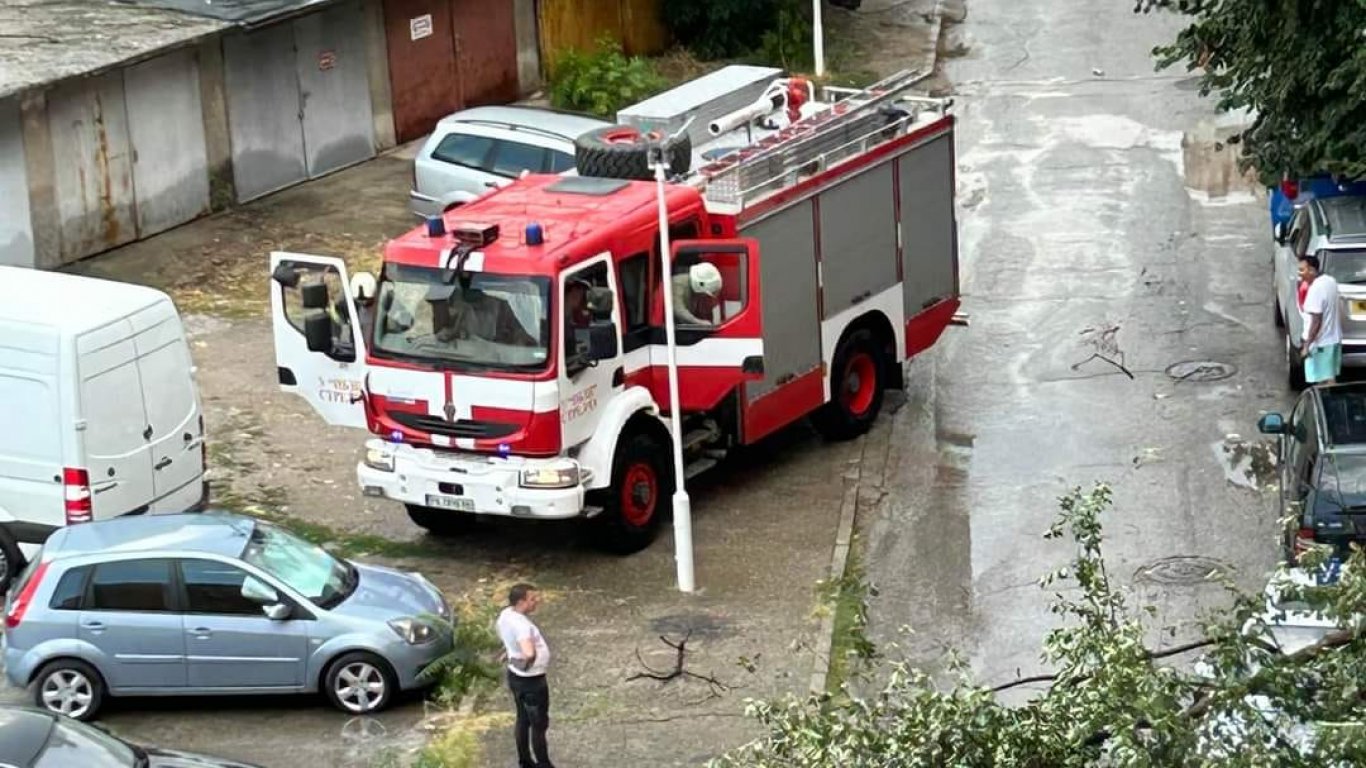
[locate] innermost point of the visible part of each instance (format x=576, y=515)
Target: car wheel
x=11, y=560
x=856, y=388
x=442, y=522
x=69, y=687
x=642, y=484
x=359, y=683
x=1294, y=366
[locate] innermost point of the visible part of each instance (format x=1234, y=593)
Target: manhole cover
x=1181, y=570
x=1201, y=370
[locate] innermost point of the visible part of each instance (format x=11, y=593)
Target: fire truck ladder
x=808, y=146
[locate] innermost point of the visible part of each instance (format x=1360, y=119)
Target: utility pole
x=818, y=37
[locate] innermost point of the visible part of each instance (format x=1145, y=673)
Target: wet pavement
x=1117, y=271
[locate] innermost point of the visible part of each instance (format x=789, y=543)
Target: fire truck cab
x=510, y=357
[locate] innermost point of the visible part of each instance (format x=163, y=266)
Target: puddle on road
x=1247, y=465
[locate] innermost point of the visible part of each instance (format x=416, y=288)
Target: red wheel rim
x=621, y=136
x=859, y=384
x=639, y=494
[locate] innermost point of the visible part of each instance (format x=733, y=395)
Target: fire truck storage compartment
x=792, y=327
x=858, y=239
x=929, y=237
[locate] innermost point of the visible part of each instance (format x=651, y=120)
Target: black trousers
x=532, y=697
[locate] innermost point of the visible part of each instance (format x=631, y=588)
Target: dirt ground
x=764, y=523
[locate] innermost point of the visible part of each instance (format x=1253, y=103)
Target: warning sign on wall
x=326, y=60
x=420, y=27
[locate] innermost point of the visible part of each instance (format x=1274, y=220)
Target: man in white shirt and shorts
x=528, y=657
x=1322, y=343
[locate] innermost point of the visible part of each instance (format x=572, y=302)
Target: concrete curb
x=844, y=533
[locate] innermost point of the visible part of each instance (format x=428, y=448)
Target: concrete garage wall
x=16, y=229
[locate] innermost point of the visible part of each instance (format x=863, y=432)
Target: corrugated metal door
x=422, y=76
x=16, y=228
x=338, y=128
x=167, y=131
x=486, y=44
x=92, y=165
x=858, y=239
x=927, y=223
x=792, y=327
x=263, y=111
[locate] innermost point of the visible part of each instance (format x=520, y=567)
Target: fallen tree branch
x=1175, y=650
x=715, y=687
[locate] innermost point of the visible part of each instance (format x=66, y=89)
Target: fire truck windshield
x=487, y=322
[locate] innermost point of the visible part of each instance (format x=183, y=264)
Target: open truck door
x=718, y=321
x=319, y=342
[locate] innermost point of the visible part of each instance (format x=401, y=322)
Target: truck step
x=696, y=437
x=698, y=467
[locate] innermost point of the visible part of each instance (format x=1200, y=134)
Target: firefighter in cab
x=696, y=292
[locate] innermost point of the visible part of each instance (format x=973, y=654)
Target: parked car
x=474, y=150
x=1323, y=466
x=213, y=603
x=110, y=421
x=1334, y=229
x=32, y=738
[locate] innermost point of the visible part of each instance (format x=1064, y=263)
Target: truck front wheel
x=441, y=522
x=642, y=484
x=856, y=388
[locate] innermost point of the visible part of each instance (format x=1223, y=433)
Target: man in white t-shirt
x=1322, y=342
x=527, y=658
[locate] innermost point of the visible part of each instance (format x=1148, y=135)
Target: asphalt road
x=1091, y=196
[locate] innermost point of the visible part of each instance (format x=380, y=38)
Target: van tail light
x=20, y=603
x=76, y=485
x=1304, y=539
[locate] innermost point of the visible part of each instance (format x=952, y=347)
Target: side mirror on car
x=1271, y=424
x=278, y=611
x=257, y=591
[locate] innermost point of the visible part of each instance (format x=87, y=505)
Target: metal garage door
x=16, y=229
x=486, y=44
x=334, y=89
x=422, y=74
x=166, y=126
x=92, y=166
x=263, y=111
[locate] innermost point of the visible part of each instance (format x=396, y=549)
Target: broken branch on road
x=1102, y=340
x=715, y=687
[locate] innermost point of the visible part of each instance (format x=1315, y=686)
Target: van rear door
x=114, y=421
x=174, y=431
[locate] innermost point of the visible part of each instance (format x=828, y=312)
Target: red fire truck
x=512, y=358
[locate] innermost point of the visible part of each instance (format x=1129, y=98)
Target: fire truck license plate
x=450, y=502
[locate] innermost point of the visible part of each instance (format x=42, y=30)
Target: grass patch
x=850, y=649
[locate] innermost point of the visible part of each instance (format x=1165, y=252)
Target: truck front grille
x=471, y=429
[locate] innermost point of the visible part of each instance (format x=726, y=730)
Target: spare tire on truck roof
x=623, y=152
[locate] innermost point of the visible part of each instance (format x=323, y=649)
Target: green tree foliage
x=1111, y=699
x=1300, y=65
x=718, y=29
x=604, y=81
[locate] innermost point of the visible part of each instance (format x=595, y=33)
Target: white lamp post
x=818, y=37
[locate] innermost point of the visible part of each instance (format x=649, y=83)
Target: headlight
x=379, y=458
x=550, y=477
x=413, y=631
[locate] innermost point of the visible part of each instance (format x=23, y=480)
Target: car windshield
x=1346, y=267
x=1345, y=477
x=74, y=743
x=483, y=321
x=304, y=567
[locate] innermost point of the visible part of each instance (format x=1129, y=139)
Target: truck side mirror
x=318, y=332
x=602, y=340
x=313, y=295
x=1271, y=424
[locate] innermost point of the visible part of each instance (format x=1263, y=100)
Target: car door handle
x=201, y=632
x=164, y=463
x=93, y=626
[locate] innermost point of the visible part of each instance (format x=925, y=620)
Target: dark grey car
x=32, y=738
x=1323, y=467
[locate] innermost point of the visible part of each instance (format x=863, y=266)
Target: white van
x=99, y=413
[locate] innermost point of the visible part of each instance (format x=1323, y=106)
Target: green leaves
x=1110, y=700
x=603, y=81
x=1299, y=65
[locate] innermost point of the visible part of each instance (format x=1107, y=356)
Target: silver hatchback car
x=213, y=603
x=475, y=150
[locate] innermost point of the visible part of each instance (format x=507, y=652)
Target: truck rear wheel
x=856, y=388
x=441, y=522
x=642, y=484
x=623, y=152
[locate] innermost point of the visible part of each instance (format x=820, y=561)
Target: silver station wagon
x=213, y=603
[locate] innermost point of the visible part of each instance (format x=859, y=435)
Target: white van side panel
x=33, y=433
x=172, y=406
x=116, y=452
